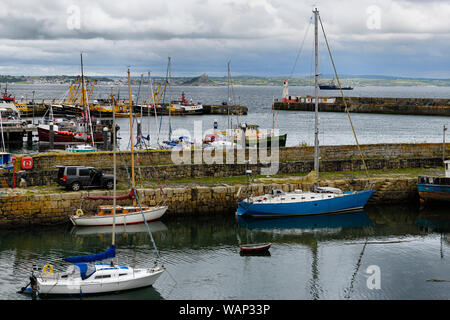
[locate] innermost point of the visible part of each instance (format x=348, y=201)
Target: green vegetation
x=210, y=181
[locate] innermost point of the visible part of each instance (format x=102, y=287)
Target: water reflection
x=155, y=226
x=325, y=224
x=317, y=257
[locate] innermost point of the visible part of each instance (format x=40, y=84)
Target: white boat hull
x=138, y=278
x=152, y=214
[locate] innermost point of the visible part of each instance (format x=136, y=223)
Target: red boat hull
x=44, y=136
x=255, y=247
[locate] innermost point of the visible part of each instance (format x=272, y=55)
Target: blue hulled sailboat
x=320, y=200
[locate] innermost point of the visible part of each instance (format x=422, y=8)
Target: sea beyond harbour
x=334, y=128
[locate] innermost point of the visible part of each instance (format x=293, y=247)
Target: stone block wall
x=48, y=209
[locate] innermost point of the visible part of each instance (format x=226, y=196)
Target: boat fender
x=48, y=268
x=79, y=212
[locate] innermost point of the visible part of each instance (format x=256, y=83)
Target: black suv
x=77, y=177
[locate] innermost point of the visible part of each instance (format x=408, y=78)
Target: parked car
x=78, y=177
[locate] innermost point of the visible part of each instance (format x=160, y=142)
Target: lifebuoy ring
x=47, y=266
x=79, y=212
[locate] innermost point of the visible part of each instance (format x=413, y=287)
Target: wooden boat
x=124, y=215
x=252, y=248
x=435, y=188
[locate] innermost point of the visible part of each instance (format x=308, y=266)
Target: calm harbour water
x=324, y=257
x=334, y=127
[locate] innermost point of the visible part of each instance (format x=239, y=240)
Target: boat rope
x=140, y=206
x=146, y=147
x=343, y=99
x=300, y=48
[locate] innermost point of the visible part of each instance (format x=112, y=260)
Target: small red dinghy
x=259, y=247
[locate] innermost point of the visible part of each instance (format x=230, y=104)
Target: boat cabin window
x=103, y=276
x=276, y=192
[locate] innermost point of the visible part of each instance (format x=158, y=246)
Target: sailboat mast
x=114, y=175
x=316, y=94
x=131, y=131
x=229, y=96
x=85, y=107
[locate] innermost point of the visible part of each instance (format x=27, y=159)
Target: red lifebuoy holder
x=27, y=163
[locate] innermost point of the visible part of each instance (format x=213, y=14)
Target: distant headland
x=205, y=80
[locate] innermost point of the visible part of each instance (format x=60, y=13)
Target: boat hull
x=44, y=136
x=139, y=279
x=434, y=192
x=267, y=141
x=152, y=214
x=247, y=248
x=325, y=87
x=351, y=201
x=433, y=188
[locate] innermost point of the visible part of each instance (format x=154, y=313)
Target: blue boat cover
x=110, y=253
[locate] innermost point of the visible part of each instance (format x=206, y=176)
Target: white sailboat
x=82, y=278
x=124, y=215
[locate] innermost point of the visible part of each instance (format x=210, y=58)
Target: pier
x=405, y=106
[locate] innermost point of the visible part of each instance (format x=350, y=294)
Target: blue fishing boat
x=435, y=188
x=320, y=200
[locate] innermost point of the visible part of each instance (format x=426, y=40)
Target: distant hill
x=202, y=80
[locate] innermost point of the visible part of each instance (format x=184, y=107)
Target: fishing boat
x=435, y=188
x=254, y=136
x=78, y=132
x=319, y=200
x=332, y=86
x=188, y=107
x=122, y=215
x=81, y=148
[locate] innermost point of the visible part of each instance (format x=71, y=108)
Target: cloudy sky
x=408, y=38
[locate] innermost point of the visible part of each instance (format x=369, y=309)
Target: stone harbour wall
x=193, y=171
x=18, y=209
x=412, y=106
x=104, y=159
